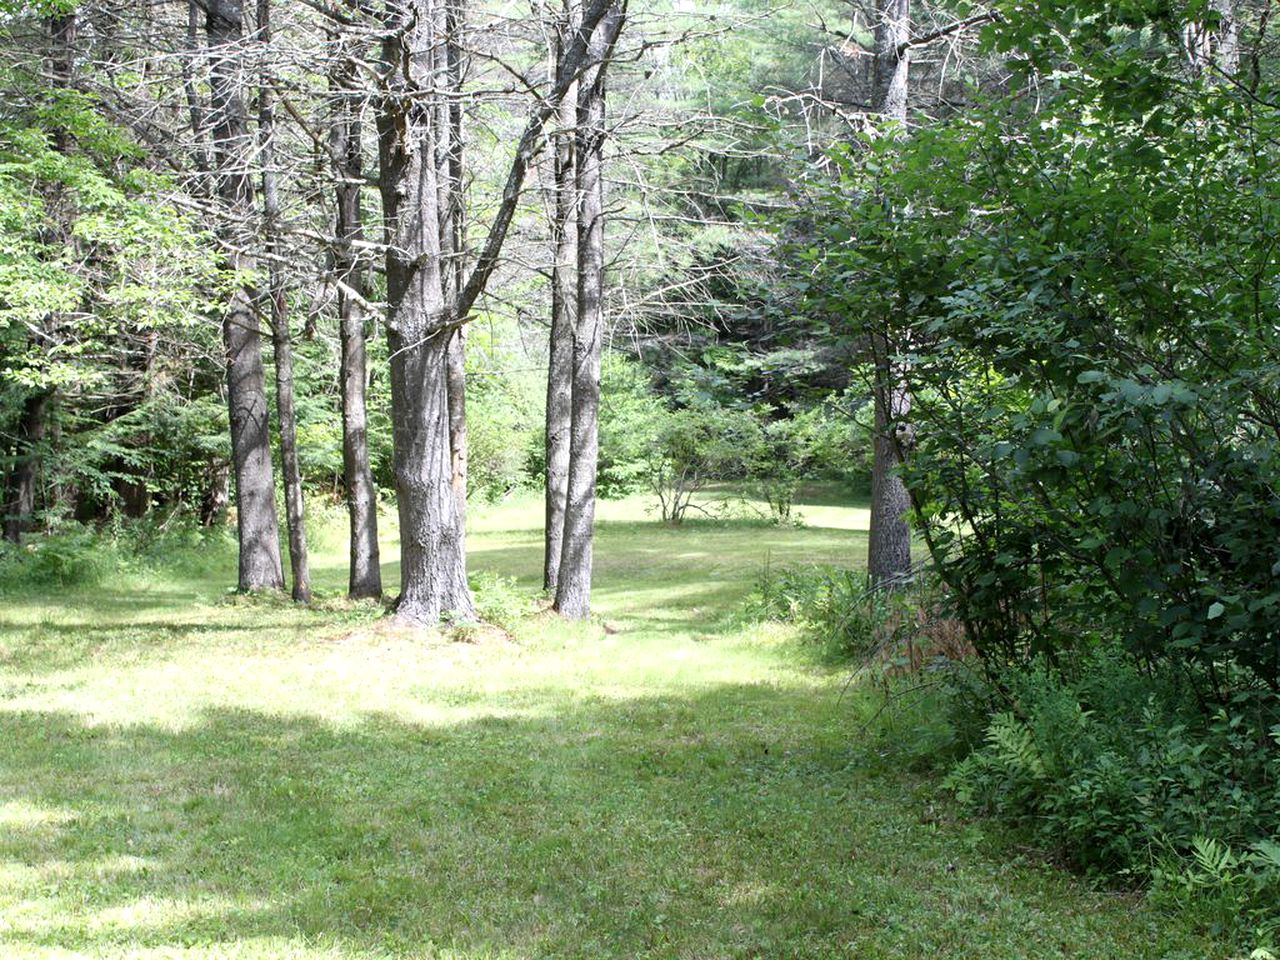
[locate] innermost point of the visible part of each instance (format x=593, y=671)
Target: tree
x=889, y=542
x=564, y=299
x=21, y=488
x=233, y=150
x=281, y=340
x=347, y=155
x=573, y=585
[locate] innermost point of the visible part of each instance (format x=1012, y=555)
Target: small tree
x=790, y=451
x=696, y=446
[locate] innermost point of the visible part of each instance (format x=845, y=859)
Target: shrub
x=631, y=418
x=839, y=610
x=1122, y=773
x=789, y=451
x=80, y=556
x=73, y=557
x=694, y=446
x=499, y=601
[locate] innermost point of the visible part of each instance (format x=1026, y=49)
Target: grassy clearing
x=184, y=775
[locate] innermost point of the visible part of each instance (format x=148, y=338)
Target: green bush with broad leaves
x=1080, y=291
x=1123, y=774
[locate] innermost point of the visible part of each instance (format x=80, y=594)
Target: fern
x=1015, y=746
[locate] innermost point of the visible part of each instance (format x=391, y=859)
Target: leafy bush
x=1093, y=373
x=837, y=607
x=789, y=451
x=896, y=631
x=74, y=557
x=631, y=418
x=697, y=445
x=499, y=600
x=79, y=556
x=505, y=403
x=1121, y=772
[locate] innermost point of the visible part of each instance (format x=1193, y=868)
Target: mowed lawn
x=188, y=775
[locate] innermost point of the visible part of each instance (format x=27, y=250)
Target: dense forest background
x=1008, y=271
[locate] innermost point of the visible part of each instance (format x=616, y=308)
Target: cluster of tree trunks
x=430, y=292
x=431, y=288
x=577, y=326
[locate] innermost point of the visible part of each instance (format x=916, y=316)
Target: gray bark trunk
x=295, y=518
x=365, y=574
x=892, y=59
x=1228, y=37
x=433, y=579
x=258, y=526
x=889, y=543
x=564, y=297
x=450, y=173
x=213, y=502
x=573, y=585
x=1215, y=45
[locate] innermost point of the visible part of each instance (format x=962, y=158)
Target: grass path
x=183, y=776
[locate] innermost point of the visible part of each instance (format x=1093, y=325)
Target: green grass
x=187, y=775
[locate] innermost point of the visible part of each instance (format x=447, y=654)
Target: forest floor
x=185, y=774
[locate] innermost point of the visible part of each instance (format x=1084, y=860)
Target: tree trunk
x=449, y=178
x=420, y=325
x=892, y=59
x=423, y=306
x=283, y=346
x=213, y=502
x=564, y=298
x=1216, y=44
x=889, y=543
x=573, y=585
x=365, y=576
x=258, y=526
x=26, y=467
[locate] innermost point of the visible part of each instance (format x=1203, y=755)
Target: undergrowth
x=78, y=556
x=1120, y=770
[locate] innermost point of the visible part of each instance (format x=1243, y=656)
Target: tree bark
x=420, y=326
x=256, y=520
x=892, y=59
x=423, y=311
x=889, y=543
x=573, y=585
x=564, y=298
x=213, y=501
x=295, y=518
x=1216, y=44
x=450, y=180
x=26, y=467
x=365, y=573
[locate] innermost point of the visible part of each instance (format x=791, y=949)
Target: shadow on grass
x=607, y=828
x=732, y=822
